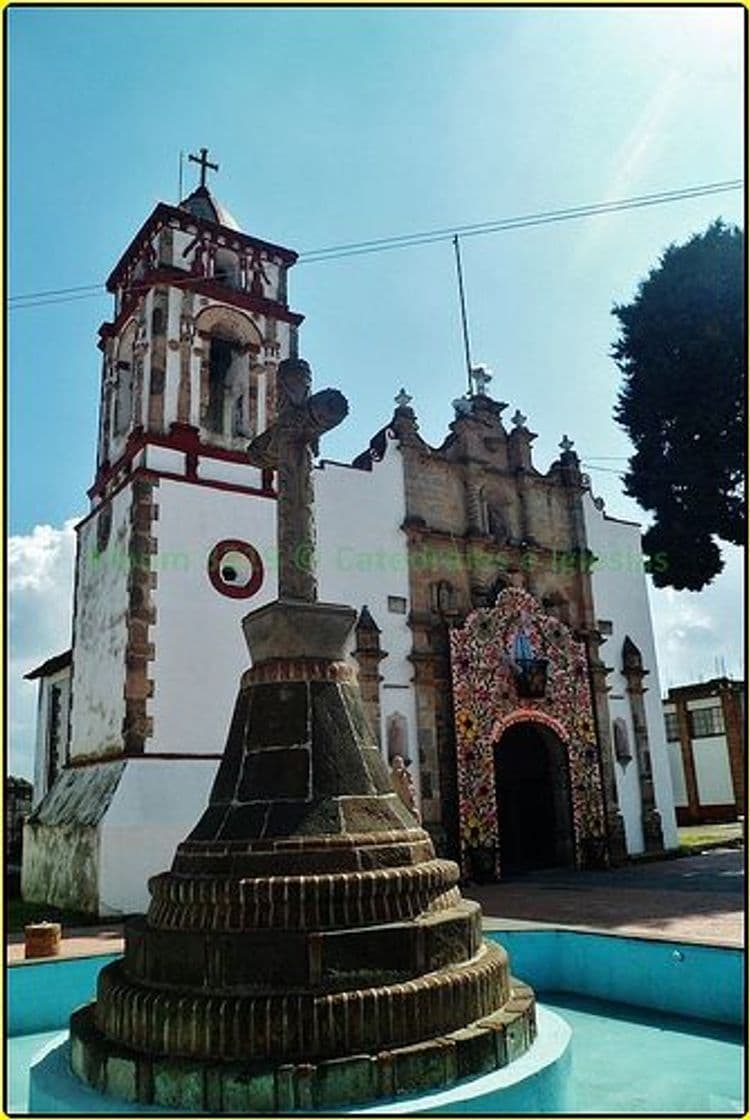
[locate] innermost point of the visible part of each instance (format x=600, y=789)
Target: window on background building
x=706, y=721
x=672, y=726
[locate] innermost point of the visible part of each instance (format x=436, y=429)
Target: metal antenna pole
x=464, y=321
x=179, y=196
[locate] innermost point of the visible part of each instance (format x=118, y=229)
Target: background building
x=705, y=728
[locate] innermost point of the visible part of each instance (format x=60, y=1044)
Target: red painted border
x=146, y=472
x=181, y=437
x=214, y=574
x=163, y=213
x=202, y=285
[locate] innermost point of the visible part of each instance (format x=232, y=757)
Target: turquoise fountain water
x=655, y=1043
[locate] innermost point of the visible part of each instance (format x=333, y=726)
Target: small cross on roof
x=481, y=376
x=566, y=444
x=204, y=162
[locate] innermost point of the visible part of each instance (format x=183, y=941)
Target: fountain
x=306, y=950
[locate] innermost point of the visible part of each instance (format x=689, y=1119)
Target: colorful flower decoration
x=486, y=703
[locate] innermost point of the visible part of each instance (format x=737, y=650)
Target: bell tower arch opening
x=230, y=387
x=534, y=809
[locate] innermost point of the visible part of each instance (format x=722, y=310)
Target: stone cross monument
x=307, y=949
x=288, y=446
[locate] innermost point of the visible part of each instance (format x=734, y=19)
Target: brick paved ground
x=696, y=898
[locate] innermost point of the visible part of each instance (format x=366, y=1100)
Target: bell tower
x=199, y=326
x=177, y=546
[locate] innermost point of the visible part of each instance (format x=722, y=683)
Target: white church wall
x=364, y=561
x=199, y=647
x=180, y=243
x=148, y=825
x=164, y=459
x=621, y=597
x=224, y=470
x=628, y=784
x=100, y=634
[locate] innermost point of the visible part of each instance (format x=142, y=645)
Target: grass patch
x=695, y=837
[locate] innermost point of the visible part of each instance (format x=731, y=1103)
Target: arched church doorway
x=532, y=786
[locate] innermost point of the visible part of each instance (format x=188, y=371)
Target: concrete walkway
x=696, y=899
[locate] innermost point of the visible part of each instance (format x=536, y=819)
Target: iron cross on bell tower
x=204, y=162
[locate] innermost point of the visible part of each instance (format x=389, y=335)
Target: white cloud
x=40, y=596
x=695, y=630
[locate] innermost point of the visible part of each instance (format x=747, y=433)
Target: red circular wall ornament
x=235, y=569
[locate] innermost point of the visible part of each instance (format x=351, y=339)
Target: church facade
x=504, y=640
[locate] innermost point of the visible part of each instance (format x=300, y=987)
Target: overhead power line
x=408, y=240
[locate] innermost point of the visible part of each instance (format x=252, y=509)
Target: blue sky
x=336, y=125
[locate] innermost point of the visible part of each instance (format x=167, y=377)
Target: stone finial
x=402, y=399
x=481, y=375
x=461, y=407
x=366, y=621
x=518, y=420
x=566, y=444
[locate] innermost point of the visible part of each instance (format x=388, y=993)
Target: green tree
x=682, y=351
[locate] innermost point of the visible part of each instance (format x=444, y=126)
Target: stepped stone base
x=306, y=949
x=231, y=1086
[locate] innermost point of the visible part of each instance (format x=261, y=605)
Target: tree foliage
x=682, y=351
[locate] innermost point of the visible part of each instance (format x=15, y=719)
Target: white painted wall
x=199, y=646
x=363, y=560
x=628, y=784
x=164, y=459
x=180, y=242
x=677, y=770
x=143, y=826
x=712, y=773
x=224, y=470
x=620, y=595
x=200, y=651
x=100, y=635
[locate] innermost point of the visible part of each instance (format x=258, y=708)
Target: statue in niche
x=444, y=597
x=529, y=669
x=623, y=754
x=397, y=735
x=403, y=784
x=259, y=275
x=496, y=525
x=523, y=651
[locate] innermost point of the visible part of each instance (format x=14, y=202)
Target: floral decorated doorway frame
x=488, y=699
